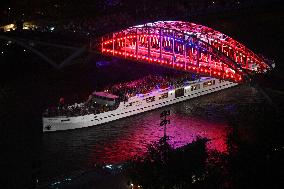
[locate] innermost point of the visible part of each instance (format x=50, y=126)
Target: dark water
x=56, y=154
x=49, y=156
x=118, y=141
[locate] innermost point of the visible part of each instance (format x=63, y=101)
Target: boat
x=104, y=106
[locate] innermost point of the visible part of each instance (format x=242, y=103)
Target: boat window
x=130, y=104
x=195, y=87
x=208, y=83
x=162, y=96
x=179, y=92
x=150, y=99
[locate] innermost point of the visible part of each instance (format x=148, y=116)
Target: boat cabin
x=104, y=98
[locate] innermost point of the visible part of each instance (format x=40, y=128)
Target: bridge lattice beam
x=187, y=47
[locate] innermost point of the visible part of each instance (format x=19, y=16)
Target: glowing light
x=230, y=48
x=187, y=87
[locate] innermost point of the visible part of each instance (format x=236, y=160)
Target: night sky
x=64, y=9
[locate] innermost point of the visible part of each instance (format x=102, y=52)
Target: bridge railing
x=188, y=52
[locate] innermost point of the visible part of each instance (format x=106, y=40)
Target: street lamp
x=165, y=121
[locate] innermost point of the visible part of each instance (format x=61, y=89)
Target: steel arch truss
x=185, y=46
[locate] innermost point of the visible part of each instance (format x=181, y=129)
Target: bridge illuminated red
x=185, y=46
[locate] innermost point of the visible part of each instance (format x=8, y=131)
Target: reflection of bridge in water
x=188, y=47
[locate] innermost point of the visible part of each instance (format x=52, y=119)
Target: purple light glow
x=182, y=130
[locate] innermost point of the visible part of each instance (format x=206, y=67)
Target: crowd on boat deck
x=147, y=84
x=123, y=91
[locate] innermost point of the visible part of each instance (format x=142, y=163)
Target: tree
x=166, y=167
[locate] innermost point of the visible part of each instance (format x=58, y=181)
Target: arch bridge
x=188, y=47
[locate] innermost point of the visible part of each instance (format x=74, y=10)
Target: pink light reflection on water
x=182, y=130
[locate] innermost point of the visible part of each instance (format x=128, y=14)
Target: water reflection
x=206, y=116
x=145, y=129
x=121, y=140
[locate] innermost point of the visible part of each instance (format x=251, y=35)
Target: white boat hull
x=139, y=105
